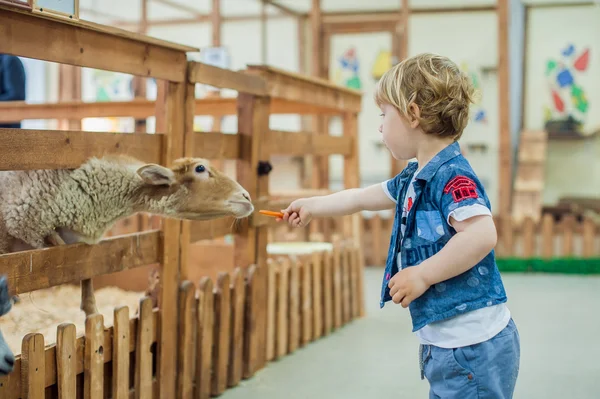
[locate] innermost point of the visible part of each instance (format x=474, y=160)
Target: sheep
x=41, y=208
x=7, y=358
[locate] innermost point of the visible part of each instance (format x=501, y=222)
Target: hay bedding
x=44, y=310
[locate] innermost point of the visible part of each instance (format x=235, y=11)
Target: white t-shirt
x=468, y=328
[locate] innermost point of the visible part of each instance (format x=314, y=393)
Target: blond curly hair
x=437, y=86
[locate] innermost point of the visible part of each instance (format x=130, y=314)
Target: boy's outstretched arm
x=474, y=239
x=346, y=202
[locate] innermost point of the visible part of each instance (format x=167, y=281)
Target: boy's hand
x=298, y=214
x=407, y=285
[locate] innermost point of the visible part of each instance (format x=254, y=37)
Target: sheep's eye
x=200, y=168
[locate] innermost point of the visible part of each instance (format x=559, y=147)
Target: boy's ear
x=414, y=114
x=156, y=175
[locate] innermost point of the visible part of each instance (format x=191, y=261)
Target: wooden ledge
x=226, y=79
x=56, y=149
x=33, y=270
x=90, y=45
x=307, y=90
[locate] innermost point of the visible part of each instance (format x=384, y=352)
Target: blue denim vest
x=446, y=183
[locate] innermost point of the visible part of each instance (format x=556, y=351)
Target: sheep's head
x=201, y=191
x=7, y=358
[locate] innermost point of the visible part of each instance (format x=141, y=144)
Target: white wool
x=82, y=203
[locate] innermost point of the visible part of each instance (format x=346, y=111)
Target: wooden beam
x=212, y=145
x=181, y=7
x=52, y=149
x=15, y=111
x=284, y=9
x=505, y=147
x=359, y=27
x=87, y=45
x=18, y=110
x=263, y=34
x=307, y=90
x=302, y=143
x=170, y=118
x=33, y=270
x=253, y=122
x=392, y=15
x=216, y=20
x=400, y=42
x=226, y=79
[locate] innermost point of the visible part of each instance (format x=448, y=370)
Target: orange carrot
x=272, y=214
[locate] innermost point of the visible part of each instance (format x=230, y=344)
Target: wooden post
x=547, y=236
x=320, y=124
x=69, y=89
x=352, y=180
x=188, y=151
x=400, y=52
x=253, y=124
x=505, y=147
x=170, y=110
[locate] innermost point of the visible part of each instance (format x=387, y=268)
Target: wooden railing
x=159, y=338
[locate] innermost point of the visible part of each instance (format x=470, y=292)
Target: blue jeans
x=485, y=370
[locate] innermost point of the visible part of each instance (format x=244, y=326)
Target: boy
x=441, y=261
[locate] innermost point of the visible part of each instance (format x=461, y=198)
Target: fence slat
x=337, y=287
x=547, y=236
x=221, y=330
x=33, y=366
x=589, y=236
x=327, y=274
x=251, y=329
x=346, y=303
x=271, y=297
x=262, y=316
x=187, y=324
x=508, y=236
x=66, y=361
x=238, y=300
x=120, y=353
x=528, y=237
x=93, y=369
x=568, y=226
x=317, y=293
x=282, y=307
x=205, y=338
x=143, y=351
x=307, y=327
x=356, y=296
x=294, y=307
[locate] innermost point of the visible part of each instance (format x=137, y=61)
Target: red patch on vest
x=410, y=202
x=461, y=188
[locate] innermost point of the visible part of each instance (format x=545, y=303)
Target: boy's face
x=399, y=135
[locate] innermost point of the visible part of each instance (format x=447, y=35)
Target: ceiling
x=106, y=11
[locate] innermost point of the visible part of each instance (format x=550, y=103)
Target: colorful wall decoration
x=347, y=70
x=382, y=64
x=568, y=105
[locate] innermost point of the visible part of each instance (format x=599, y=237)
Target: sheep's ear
x=156, y=175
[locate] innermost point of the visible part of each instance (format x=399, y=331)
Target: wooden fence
x=566, y=238
x=228, y=330
x=152, y=348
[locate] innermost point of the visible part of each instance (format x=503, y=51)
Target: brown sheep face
x=195, y=190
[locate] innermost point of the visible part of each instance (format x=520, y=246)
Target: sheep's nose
x=246, y=195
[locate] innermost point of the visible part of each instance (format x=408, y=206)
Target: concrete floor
x=376, y=357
